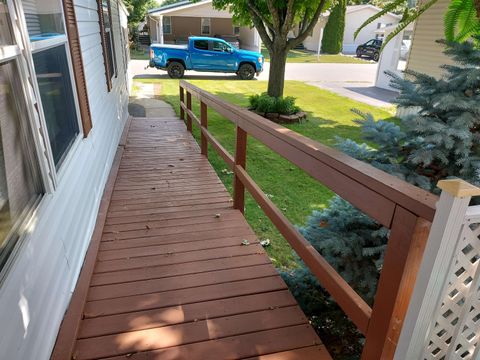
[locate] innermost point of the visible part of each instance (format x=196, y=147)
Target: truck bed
x=170, y=46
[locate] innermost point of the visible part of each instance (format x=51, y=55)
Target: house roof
x=177, y=6
x=355, y=8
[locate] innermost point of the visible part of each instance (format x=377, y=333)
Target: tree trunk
x=276, y=75
x=477, y=6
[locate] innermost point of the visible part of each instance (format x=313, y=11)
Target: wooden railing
x=401, y=207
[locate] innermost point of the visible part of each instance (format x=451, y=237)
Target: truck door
x=200, y=55
x=224, y=58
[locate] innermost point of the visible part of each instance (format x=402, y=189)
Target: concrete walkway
x=145, y=103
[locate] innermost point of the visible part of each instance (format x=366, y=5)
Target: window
x=167, y=25
x=200, y=44
x=49, y=48
x=107, y=41
x=205, y=24
x=20, y=180
x=236, y=30
x=220, y=46
x=53, y=77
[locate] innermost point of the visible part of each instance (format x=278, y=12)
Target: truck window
x=220, y=46
x=200, y=44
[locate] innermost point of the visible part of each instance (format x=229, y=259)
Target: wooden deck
x=176, y=272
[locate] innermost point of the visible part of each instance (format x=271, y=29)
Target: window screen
x=20, y=185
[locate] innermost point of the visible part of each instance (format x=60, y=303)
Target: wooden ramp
x=174, y=272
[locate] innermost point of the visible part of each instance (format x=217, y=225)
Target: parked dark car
x=370, y=49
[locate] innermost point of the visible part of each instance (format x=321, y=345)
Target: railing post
x=204, y=124
x=445, y=244
x=406, y=243
x=182, y=101
x=189, y=107
x=240, y=160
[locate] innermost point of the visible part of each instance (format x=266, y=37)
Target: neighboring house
x=355, y=16
x=424, y=54
x=173, y=24
x=63, y=106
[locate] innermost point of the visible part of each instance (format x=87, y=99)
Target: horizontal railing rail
x=401, y=207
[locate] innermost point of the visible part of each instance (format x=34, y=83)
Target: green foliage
x=274, y=19
x=461, y=20
x=268, y=104
x=137, y=10
x=442, y=140
x=332, y=40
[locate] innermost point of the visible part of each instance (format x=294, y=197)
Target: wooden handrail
x=397, y=205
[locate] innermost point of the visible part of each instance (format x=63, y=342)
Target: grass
x=292, y=190
x=138, y=54
x=303, y=56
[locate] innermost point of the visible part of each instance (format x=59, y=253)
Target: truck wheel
x=246, y=72
x=359, y=53
x=376, y=56
x=175, y=70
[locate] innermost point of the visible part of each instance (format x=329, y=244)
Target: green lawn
x=302, y=56
x=293, y=191
x=138, y=54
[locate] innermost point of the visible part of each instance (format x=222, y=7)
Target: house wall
x=250, y=39
x=185, y=26
x=312, y=42
x=426, y=56
x=35, y=293
x=354, y=20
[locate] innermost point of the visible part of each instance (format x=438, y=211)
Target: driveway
x=356, y=81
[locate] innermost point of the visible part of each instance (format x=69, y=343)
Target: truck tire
x=246, y=72
x=175, y=70
x=376, y=56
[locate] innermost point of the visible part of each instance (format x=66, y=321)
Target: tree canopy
x=274, y=19
x=137, y=10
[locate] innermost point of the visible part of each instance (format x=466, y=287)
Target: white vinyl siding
x=37, y=290
x=426, y=56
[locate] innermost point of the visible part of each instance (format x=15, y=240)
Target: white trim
x=355, y=8
x=187, y=6
x=46, y=44
x=9, y=52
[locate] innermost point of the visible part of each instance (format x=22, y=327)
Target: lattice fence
x=456, y=331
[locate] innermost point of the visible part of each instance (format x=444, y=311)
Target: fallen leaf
x=245, y=242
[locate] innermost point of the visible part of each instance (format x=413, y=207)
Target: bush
x=268, y=104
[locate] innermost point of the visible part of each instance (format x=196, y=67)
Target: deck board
x=172, y=279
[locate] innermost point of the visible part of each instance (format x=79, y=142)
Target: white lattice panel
x=456, y=331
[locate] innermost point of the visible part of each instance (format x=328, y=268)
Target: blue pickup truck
x=205, y=54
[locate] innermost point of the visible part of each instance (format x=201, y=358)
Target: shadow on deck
x=173, y=271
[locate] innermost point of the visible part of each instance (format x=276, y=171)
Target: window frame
x=234, y=30
x=29, y=122
x=107, y=55
x=169, y=25
x=209, y=20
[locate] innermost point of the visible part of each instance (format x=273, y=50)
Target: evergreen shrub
x=264, y=103
x=440, y=140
